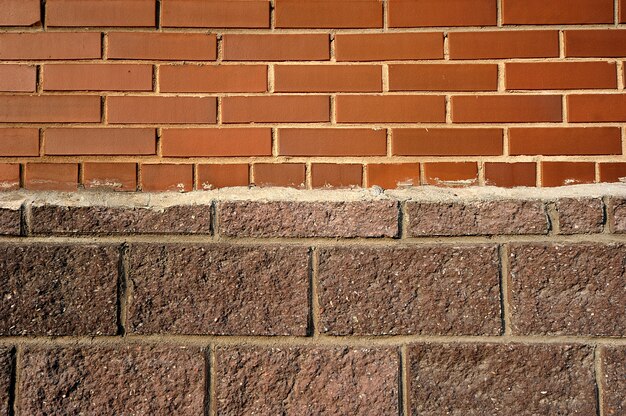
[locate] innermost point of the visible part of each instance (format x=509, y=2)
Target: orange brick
x=443, y=77
x=19, y=12
x=556, y=12
x=115, y=176
x=293, y=47
x=451, y=173
x=100, y=13
x=328, y=175
x=167, y=110
x=447, y=142
x=50, y=108
x=417, y=13
x=276, y=109
x=9, y=176
x=329, y=14
x=567, y=173
x=388, y=46
x=510, y=44
x=216, y=142
x=279, y=174
x=222, y=176
x=18, y=78
x=166, y=177
x=215, y=13
x=509, y=175
x=162, y=46
x=391, y=176
x=328, y=78
x=97, y=77
x=51, y=176
x=99, y=141
x=213, y=78
x=332, y=142
x=507, y=108
x=612, y=172
x=596, y=107
x=19, y=142
x=595, y=43
x=390, y=109
x=560, y=75
x=50, y=45
x=565, y=141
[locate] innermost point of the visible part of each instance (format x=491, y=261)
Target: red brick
x=393, y=175
x=565, y=141
x=166, y=177
x=19, y=12
x=50, y=108
x=100, y=13
x=18, y=78
x=507, y=109
x=418, y=13
x=162, y=46
x=613, y=359
x=329, y=14
x=213, y=78
x=390, y=109
x=556, y=12
x=596, y=107
x=451, y=173
x=509, y=175
x=447, y=142
x=622, y=11
x=509, y=44
x=99, y=141
x=279, y=174
x=97, y=77
x=276, y=109
x=388, y=46
x=595, y=43
x=216, y=142
x=51, y=176
x=328, y=78
x=443, y=77
x=330, y=175
x=612, y=172
x=560, y=75
x=215, y=13
x=567, y=173
x=167, y=110
x=222, y=176
x=292, y=47
x=19, y=142
x=580, y=215
x=9, y=176
x=50, y=45
x=115, y=176
x=332, y=142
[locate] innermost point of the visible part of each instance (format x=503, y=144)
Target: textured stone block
x=571, y=289
x=309, y=219
x=434, y=290
x=306, y=381
x=109, y=380
x=218, y=289
x=10, y=220
x=476, y=218
x=580, y=215
x=614, y=380
x=501, y=379
x=56, y=289
x=618, y=207
x=5, y=379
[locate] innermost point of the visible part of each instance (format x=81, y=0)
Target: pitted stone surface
x=614, y=380
x=580, y=215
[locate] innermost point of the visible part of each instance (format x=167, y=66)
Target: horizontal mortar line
x=286, y=341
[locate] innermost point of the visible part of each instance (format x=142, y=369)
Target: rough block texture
x=10, y=221
x=5, y=379
x=613, y=383
x=580, y=216
x=618, y=214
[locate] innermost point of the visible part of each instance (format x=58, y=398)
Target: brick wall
x=195, y=94
x=354, y=303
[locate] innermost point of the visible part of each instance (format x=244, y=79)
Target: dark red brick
x=613, y=383
x=568, y=289
x=218, y=289
x=580, y=215
x=55, y=289
x=306, y=381
x=433, y=290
